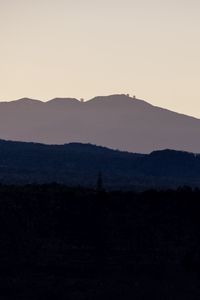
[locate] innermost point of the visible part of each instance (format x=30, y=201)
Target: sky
x=83, y=49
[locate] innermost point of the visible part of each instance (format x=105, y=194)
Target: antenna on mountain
x=82, y=100
x=134, y=97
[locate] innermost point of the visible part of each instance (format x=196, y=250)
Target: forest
x=79, y=243
x=78, y=164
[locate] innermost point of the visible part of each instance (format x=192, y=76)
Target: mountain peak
x=119, y=101
x=26, y=101
x=63, y=101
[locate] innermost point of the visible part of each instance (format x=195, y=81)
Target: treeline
x=74, y=164
x=39, y=224
x=77, y=243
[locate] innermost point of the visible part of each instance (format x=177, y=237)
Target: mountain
x=116, y=121
x=78, y=164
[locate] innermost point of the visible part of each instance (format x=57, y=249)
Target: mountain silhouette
x=79, y=164
x=116, y=121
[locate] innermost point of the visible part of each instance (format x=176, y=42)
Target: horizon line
x=82, y=100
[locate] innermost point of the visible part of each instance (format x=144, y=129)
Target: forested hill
x=78, y=164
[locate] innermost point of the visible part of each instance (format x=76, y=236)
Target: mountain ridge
x=78, y=164
x=92, y=100
x=115, y=121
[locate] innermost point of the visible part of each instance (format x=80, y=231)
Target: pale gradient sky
x=85, y=48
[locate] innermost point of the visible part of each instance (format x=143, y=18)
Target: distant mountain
x=78, y=164
x=117, y=122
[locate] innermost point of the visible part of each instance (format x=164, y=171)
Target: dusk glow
x=67, y=48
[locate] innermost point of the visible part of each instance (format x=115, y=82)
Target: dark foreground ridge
x=78, y=164
x=73, y=243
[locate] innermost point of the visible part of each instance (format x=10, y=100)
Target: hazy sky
x=85, y=48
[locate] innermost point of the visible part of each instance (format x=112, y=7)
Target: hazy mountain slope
x=115, y=121
x=79, y=164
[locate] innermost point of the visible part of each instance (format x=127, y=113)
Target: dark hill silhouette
x=78, y=164
x=116, y=121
